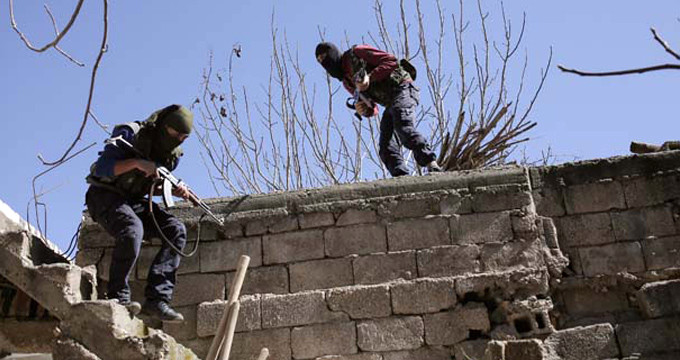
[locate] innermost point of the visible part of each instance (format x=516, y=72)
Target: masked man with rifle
x=119, y=180
x=375, y=76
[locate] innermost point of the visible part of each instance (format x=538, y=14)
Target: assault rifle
x=169, y=181
x=358, y=95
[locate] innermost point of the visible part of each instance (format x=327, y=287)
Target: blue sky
x=158, y=50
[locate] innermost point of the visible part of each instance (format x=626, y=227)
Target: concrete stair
x=88, y=328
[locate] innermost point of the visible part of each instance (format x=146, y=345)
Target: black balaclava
x=177, y=117
x=333, y=60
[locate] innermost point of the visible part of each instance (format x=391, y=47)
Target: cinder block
x=328, y=339
x=230, y=230
x=314, y=220
x=414, y=207
x=423, y=296
x=549, y=202
x=649, y=336
x=613, y=258
x=185, y=330
x=361, y=302
x=448, y=261
x=297, y=309
x=356, y=216
x=293, y=246
x=662, y=253
x=321, y=274
x=456, y=203
x=524, y=350
x=391, y=334
x=146, y=256
x=638, y=224
x=643, y=191
x=424, y=353
x=591, y=342
x=594, y=197
x=512, y=256
x=197, y=288
x=209, y=315
x=585, y=230
x=481, y=228
x=247, y=345
x=210, y=231
x=379, y=268
x=417, y=234
x=500, y=197
x=272, y=224
x=221, y=256
x=263, y=280
x=94, y=236
x=585, y=301
x=452, y=327
x=472, y=349
x=355, y=239
x=660, y=298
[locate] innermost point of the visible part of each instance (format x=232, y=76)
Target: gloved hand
x=363, y=109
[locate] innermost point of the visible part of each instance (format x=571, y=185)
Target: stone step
x=87, y=329
x=659, y=299
x=128, y=337
x=55, y=286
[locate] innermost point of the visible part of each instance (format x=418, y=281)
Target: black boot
x=160, y=310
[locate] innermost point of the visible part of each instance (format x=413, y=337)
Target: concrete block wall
x=444, y=265
x=393, y=268
x=618, y=220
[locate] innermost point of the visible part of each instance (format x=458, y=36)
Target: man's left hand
x=182, y=191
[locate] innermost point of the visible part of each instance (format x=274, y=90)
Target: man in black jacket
x=119, y=181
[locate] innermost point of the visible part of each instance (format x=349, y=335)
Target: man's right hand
x=363, y=109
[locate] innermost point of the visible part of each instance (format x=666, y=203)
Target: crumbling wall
x=396, y=268
x=465, y=264
x=618, y=220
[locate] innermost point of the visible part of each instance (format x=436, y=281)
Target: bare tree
x=286, y=143
x=289, y=143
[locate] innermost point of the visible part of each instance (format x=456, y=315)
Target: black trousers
x=129, y=221
x=398, y=120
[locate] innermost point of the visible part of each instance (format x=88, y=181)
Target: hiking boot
x=160, y=310
x=132, y=307
x=432, y=166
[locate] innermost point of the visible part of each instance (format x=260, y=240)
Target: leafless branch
x=664, y=44
x=621, y=72
x=640, y=70
x=55, y=41
x=102, y=50
x=56, y=32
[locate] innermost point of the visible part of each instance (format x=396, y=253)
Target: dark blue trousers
x=398, y=120
x=129, y=221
